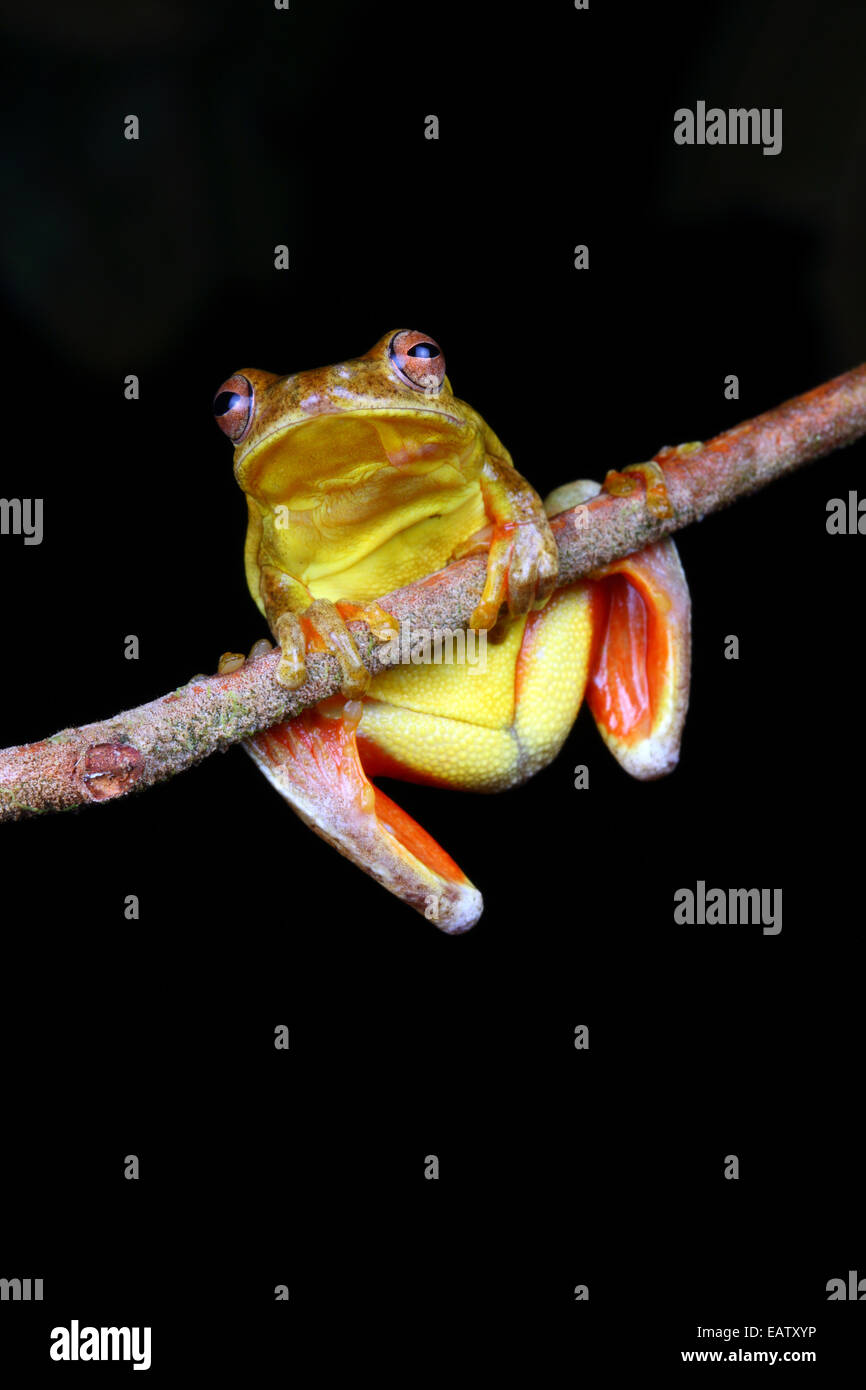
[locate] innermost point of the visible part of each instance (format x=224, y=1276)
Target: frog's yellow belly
x=490, y=722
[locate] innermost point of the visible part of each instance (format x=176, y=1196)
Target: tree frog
x=369, y=475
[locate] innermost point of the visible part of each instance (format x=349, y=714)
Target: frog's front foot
x=522, y=566
x=522, y=562
x=322, y=627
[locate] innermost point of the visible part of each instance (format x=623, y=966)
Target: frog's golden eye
x=233, y=407
x=418, y=359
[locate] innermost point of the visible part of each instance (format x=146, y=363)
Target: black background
x=558, y=1167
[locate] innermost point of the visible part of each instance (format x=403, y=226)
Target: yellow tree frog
x=369, y=475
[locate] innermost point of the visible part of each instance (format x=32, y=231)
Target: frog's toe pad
x=291, y=669
x=569, y=495
x=229, y=662
x=623, y=484
x=313, y=762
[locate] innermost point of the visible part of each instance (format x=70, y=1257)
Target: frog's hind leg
x=638, y=686
x=313, y=762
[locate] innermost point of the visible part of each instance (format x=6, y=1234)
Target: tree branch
x=105, y=760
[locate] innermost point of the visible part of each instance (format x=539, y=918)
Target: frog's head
x=391, y=408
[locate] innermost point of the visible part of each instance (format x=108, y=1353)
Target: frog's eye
x=233, y=407
x=418, y=360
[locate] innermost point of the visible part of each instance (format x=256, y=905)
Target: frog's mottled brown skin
x=369, y=475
